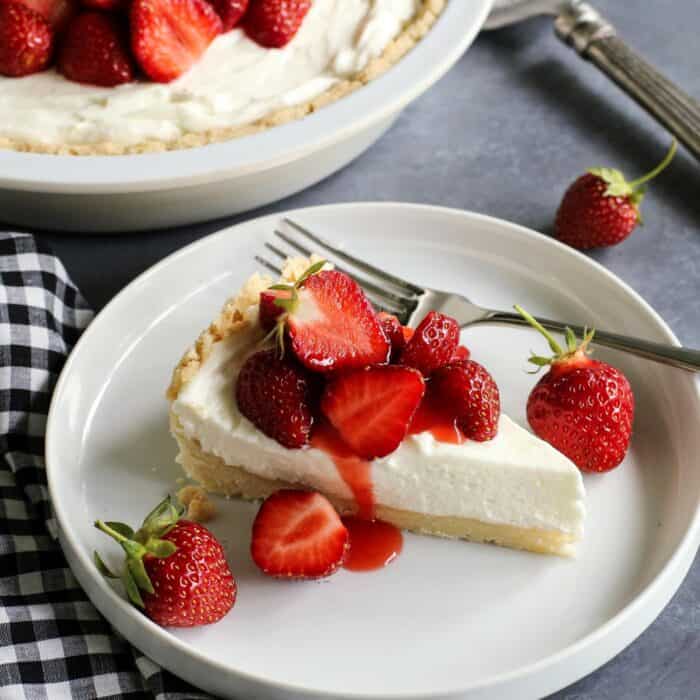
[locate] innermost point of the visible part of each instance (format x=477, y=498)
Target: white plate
x=147, y=191
x=447, y=618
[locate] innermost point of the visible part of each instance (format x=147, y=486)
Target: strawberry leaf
x=160, y=548
x=316, y=267
x=121, y=528
x=138, y=572
x=132, y=589
x=102, y=567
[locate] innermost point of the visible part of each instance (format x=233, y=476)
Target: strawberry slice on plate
x=169, y=36
x=372, y=408
x=331, y=324
x=298, y=535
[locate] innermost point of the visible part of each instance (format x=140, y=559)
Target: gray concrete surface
x=503, y=133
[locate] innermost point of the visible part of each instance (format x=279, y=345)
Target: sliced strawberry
x=461, y=353
x=407, y=333
x=394, y=332
x=269, y=312
x=105, y=5
x=55, y=12
x=433, y=343
x=466, y=390
x=95, y=50
x=169, y=36
x=332, y=325
x=372, y=408
x=230, y=11
x=26, y=41
x=274, y=23
x=298, y=535
x=276, y=395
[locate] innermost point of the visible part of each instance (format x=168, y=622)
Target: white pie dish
x=539, y=623
x=147, y=191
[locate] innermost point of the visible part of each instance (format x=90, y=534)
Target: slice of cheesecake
x=514, y=490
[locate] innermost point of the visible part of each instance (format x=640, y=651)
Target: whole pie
x=304, y=386
x=132, y=76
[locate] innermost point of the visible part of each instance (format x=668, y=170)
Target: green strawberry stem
x=147, y=540
x=572, y=346
x=635, y=184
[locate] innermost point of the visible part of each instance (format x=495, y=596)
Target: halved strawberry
x=432, y=344
x=274, y=23
x=298, y=535
x=394, y=332
x=467, y=391
x=331, y=323
x=230, y=11
x=276, y=394
x=55, y=12
x=169, y=36
x=269, y=311
x=95, y=51
x=26, y=41
x=372, y=408
x=461, y=353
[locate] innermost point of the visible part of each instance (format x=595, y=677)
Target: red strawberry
x=372, y=408
x=331, y=324
x=298, y=535
x=55, y=12
x=95, y=51
x=105, y=5
x=175, y=569
x=433, y=343
x=230, y=11
x=467, y=391
x=601, y=208
x=269, y=311
x=583, y=407
x=26, y=41
x=276, y=394
x=394, y=332
x=274, y=23
x=169, y=36
x=461, y=353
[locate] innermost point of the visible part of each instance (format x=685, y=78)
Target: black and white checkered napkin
x=54, y=645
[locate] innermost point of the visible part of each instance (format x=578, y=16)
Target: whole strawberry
x=274, y=23
x=26, y=41
x=175, y=569
x=583, y=407
x=601, y=208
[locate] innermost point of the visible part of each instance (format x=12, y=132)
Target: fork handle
x=594, y=38
x=681, y=357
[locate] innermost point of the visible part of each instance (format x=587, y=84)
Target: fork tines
x=387, y=292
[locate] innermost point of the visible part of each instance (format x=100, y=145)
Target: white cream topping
x=516, y=478
x=235, y=82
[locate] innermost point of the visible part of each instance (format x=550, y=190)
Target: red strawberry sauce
x=374, y=543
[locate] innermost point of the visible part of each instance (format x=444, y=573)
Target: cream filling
x=236, y=82
x=515, y=479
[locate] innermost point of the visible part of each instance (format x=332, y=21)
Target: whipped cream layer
x=515, y=479
x=236, y=82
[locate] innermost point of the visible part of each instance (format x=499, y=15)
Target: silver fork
x=410, y=303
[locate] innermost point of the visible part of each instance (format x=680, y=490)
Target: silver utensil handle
x=594, y=38
x=684, y=358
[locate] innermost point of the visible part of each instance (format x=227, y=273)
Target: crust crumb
x=199, y=507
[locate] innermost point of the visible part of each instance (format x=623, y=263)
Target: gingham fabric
x=54, y=645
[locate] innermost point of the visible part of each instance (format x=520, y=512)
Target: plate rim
x=424, y=65
x=653, y=597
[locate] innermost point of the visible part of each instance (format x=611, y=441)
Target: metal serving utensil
x=582, y=27
x=410, y=302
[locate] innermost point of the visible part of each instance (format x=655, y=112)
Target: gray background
x=515, y=121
